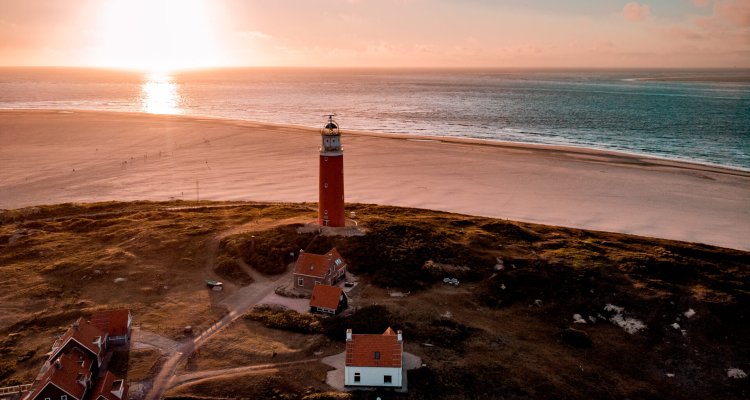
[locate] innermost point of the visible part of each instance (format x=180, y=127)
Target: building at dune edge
x=374, y=360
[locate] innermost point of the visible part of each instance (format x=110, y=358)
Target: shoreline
x=645, y=158
x=59, y=156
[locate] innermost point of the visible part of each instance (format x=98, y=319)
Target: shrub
x=510, y=232
x=442, y=332
x=228, y=268
x=287, y=320
x=6, y=369
x=370, y=319
x=268, y=251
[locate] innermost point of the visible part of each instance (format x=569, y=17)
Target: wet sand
x=51, y=157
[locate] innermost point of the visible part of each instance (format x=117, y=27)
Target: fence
x=15, y=389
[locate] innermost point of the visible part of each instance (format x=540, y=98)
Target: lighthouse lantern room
x=331, y=204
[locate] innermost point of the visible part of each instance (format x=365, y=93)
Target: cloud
x=253, y=35
x=735, y=11
x=634, y=11
x=701, y=3
x=680, y=33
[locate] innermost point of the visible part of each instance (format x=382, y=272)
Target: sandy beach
x=75, y=156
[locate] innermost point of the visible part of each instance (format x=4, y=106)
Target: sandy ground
x=61, y=156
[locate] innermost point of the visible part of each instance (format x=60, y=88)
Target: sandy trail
x=52, y=157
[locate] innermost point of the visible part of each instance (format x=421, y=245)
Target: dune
x=51, y=157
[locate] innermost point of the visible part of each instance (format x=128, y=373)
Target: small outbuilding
x=374, y=360
x=328, y=299
x=318, y=269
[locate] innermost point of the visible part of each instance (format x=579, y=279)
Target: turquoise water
x=699, y=116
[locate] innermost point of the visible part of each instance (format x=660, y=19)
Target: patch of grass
x=288, y=320
x=283, y=383
x=509, y=231
x=394, y=253
x=140, y=364
x=7, y=368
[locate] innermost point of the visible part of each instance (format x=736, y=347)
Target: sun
x=157, y=35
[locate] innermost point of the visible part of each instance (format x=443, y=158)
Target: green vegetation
x=268, y=251
x=505, y=331
x=288, y=320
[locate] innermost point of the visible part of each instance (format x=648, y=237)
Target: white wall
x=372, y=376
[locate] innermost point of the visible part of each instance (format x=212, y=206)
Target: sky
x=187, y=34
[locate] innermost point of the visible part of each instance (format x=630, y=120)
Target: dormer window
x=338, y=261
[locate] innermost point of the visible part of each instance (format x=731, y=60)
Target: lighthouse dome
x=331, y=125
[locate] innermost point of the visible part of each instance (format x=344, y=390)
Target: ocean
x=699, y=116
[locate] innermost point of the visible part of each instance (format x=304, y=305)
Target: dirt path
x=141, y=338
x=236, y=304
x=192, y=377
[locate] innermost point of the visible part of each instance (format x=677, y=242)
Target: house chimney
x=348, y=335
x=58, y=364
x=76, y=325
x=400, y=337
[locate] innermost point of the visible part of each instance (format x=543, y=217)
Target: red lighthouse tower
x=331, y=204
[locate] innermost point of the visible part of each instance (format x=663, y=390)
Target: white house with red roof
x=328, y=299
x=66, y=377
x=84, y=336
x=318, y=269
x=117, y=324
x=374, y=360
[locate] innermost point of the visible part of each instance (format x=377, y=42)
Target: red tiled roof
x=114, y=322
x=65, y=374
x=361, y=350
x=326, y=296
x=84, y=333
x=319, y=265
x=106, y=388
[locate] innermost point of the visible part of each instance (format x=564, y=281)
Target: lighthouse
x=331, y=203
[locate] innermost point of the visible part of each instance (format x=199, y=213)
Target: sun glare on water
x=157, y=35
x=159, y=94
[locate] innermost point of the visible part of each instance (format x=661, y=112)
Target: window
x=377, y=355
x=338, y=261
x=357, y=378
x=63, y=397
x=387, y=379
x=317, y=282
x=300, y=281
x=47, y=398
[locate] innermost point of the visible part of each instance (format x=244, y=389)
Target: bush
x=6, y=369
x=510, y=232
x=370, y=319
x=228, y=268
x=26, y=356
x=287, y=320
x=442, y=332
x=394, y=253
x=268, y=251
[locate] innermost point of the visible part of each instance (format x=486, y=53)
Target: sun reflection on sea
x=159, y=94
